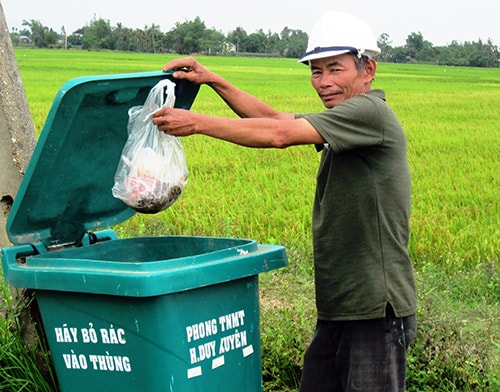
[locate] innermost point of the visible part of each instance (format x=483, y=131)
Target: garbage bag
x=152, y=172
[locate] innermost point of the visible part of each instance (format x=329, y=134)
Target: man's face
x=337, y=78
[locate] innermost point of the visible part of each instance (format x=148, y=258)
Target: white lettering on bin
x=232, y=320
x=247, y=351
x=113, y=336
x=66, y=335
x=218, y=362
x=73, y=361
x=194, y=372
x=110, y=363
x=232, y=342
x=201, y=330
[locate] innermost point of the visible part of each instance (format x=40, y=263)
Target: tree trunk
x=17, y=132
x=17, y=141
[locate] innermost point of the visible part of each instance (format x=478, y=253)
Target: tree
x=292, y=43
x=187, y=36
x=40, y=35
x=98, y=35
x=152, y=36
x=483, y=54
x=398, y=54
x=418, y=48
x=75, y=39
x=123, y=39
x=237, y=37
x=213, y=42
x=271, y=43
x=255, y=42
x=17, y=133
x=384, y=43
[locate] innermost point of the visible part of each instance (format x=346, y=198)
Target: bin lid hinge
x=35, y=249
x=89, y=238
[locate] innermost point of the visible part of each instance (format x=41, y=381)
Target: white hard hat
x=337, y=33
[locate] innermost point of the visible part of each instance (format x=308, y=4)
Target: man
x=365, y=290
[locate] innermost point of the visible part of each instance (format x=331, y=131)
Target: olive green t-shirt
x=361, y=212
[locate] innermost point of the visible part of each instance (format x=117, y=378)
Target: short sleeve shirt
x=361, y=212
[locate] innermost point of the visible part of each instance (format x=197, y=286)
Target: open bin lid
x=66, y=190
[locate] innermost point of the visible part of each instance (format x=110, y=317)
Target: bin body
x=168, y=313
x=205, y=339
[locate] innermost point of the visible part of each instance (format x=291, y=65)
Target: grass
x=451, y=119
x=23, y=364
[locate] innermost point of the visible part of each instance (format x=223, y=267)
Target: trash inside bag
x=152, y=172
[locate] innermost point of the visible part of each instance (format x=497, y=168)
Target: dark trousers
x=364, y=355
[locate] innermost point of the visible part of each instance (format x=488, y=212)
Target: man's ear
x=370, y=69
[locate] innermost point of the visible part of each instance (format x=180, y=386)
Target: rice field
x=452, y=121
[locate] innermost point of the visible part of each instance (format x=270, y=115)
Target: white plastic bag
x=152, y=171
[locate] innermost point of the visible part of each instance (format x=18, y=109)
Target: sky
x=439, y=21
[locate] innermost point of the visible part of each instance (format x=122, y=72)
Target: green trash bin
x=164, y=313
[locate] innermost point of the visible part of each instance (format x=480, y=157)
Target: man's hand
x=189, y=69
x=175, y=122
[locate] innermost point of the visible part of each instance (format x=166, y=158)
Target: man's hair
x=360, y=61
